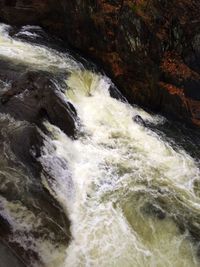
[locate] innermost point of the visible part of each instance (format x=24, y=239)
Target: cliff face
x=149, y=47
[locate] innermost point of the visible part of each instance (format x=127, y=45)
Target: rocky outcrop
x=34, y=96
x=27, y=99
x=149, y=47
x=40, y=219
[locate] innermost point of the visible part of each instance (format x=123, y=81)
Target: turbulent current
x=131, y=190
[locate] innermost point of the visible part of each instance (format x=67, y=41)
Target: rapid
x=131, y=193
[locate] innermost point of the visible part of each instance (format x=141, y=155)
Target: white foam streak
x=36, y=56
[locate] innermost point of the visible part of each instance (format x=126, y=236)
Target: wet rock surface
x=39, y=217
x=34, y=96
x=149, y=47
x=27, y=100
x=138, y=119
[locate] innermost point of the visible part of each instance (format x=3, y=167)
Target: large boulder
x=34, y=96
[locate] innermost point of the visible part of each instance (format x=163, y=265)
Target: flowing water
x=131, y=192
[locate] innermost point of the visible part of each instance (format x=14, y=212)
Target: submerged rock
x=138, y=119
x=154, y=210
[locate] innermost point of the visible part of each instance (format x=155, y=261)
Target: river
x=131, y=189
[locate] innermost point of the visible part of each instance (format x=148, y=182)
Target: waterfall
x=130, y=194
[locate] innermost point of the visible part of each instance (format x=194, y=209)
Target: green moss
x=134, y=8
x=139, y=7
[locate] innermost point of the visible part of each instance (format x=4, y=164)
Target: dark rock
x=21, y=184
x=138, y=119
x=34, y=96
x=115, y=93
x=26, y=141
x=30, y=98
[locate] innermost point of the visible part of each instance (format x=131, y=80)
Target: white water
x=116, y=168
x=37, y=57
